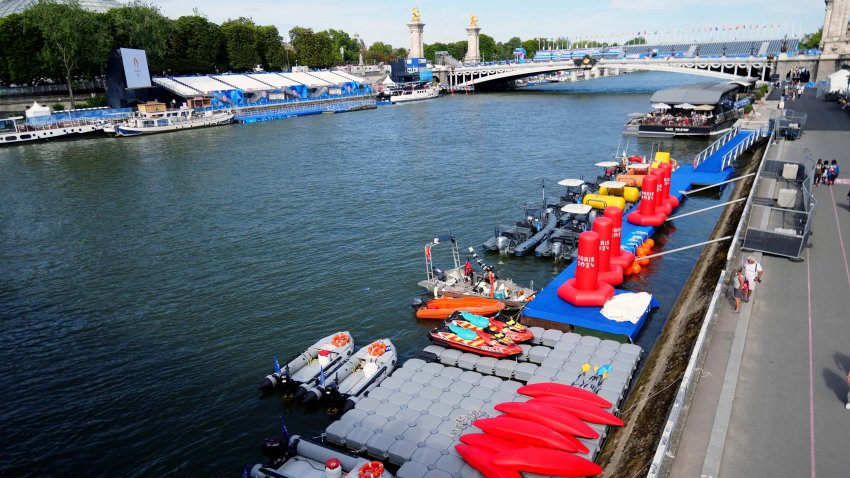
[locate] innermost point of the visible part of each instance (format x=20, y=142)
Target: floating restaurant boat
x=698, y=110
x=402, y=93
x=15, y=131
x=303, y=458
x=155, y=117
x=307, y=366
x=351, y=380
x=443, y=307
x=455, y=282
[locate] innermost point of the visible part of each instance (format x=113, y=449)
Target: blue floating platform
x=548, y=306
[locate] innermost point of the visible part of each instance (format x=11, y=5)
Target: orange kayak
x=443, y=307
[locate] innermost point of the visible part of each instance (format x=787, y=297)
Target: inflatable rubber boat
x=302, y=458
x=352, y=379
x=327, y=352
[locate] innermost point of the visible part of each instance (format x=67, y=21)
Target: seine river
x=145, y=283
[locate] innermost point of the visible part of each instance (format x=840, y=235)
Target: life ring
x=376, y=349
x=373, y=469
x=340, y=340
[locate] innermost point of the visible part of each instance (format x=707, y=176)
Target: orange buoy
x=643, y=262
x=650, y=242
x=636, y=268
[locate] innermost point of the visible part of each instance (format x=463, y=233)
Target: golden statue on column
x=473, y=21
x=415, y=16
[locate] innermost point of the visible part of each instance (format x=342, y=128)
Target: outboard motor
x=416, y=303
x=591, y=217
x=556, y=249
x=275, y=451
x=439, y=274
x=502, y=244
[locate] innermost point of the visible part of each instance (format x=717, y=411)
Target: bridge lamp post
x=724, y=50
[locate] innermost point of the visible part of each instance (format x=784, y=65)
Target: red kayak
x=546, y=462
x=555, y=418
x=490, y=443
x=560, y=390
x=482, y=461
x=581, y=409
x=526, y=432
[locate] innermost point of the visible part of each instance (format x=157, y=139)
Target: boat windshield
x=7, y=125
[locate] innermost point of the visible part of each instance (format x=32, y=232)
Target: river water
x=145, y=283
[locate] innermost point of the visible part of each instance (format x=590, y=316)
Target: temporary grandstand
x=266, y=96
x=728, y=49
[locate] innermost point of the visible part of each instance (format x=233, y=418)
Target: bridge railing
x=707, y=152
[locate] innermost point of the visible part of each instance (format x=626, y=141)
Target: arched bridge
x=500, y=76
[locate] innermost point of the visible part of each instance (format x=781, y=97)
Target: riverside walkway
x=770, y=400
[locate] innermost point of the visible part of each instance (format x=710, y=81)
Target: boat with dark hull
x=698, y=110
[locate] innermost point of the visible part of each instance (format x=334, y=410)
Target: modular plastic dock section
x=416, y=416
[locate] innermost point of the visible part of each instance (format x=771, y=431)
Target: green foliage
x=240, y=42
x=350, y=46
x=457, y=49
x=315, y=50
x=399, y=53
x=270, y=48
x=57, y=106
x=197, y=46
x=813, y=41
x=74, y=38
x=636, y=41
x=487, y=47
x=19, y=59
x=141, y=25
x=430, y=50
x=97, y=101
x=379, y=52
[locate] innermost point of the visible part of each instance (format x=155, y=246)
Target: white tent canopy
x=36, y=110
x=388, y=81
x=838, y=81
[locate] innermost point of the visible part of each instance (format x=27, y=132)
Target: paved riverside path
x=771, y=398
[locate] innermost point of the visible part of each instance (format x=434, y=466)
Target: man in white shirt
x=752, y=272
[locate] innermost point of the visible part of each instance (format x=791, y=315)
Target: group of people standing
x=826, y=172
x=744, y=282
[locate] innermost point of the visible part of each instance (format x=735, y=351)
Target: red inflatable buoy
x=619, y=257
x=667, y=169
x=660, y=204
x=647, y=215
x=607, y=272
x=585, y=289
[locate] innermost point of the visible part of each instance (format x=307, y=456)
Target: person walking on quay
x=833, y=172
x=738, y=288
x=752, y=273
x=818, y=171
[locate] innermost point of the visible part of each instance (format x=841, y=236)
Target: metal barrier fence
x=81, y=87
x=665, y=451
x=721, y=141
x=781, y=220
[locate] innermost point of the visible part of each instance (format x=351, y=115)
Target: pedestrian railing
x=707, y=152
x=665, y=452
